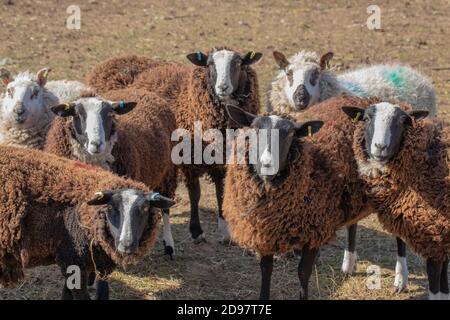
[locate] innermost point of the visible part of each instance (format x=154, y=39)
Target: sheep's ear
x=308, y=128
x=42, y=76
x=100, y=198
x=281, y=60
x=123, y=107
x=159, y=201
x=5, y=76
x=64, y=110
x=325, y=60
x=240, y=116
x=198, y=58
x=251, y=57
x=356, y=114
x=416, y=115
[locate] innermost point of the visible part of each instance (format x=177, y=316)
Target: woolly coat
x=412, y=192
x=317, y=194
x=44, y=217
x=118, y=72
x=142, y=150
x=192, y=99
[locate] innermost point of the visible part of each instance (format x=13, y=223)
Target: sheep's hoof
x=102, y=292
x=200, y=239
x=399, y=289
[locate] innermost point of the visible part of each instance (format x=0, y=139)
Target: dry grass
x=33, y=35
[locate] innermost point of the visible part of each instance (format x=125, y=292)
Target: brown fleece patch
x=321, y=193
x=118, y=72
x=412, y=195
x=36, y=183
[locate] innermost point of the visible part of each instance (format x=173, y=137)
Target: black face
x=130, y=213
x=275, y=135
x=93, y=121
x=226, y=68
x=385, y=125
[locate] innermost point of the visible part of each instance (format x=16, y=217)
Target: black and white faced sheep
x=131, y=139
x=405, y=166
x=82, y=218
x=25, y=115
x=300, y=190
x=199, y=95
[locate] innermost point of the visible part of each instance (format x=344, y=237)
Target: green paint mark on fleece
x=396, y=76
x=354, y=88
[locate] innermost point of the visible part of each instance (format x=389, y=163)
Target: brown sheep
x=314, y=192
x=53, y=212
x=406, y=170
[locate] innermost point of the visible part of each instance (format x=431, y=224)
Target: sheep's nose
x=301, y=97
x=19, y=110
x=380, y=146
x=223, y=87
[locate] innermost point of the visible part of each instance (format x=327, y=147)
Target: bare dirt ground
x=34, y=35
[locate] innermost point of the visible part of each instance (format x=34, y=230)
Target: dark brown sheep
x=52, y=213
x=301, y=208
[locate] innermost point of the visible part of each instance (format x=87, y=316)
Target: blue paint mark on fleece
x=396, y=76
x=354, y=88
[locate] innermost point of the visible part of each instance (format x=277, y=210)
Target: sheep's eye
x=314, y=77
x=290, y=76
x=11, y=92
x=34, y=94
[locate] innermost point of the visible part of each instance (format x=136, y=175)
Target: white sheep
x=305, y=79
x=25, y=115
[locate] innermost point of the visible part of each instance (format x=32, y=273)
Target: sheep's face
x=129, y=214
x=23, y=102
x=93, y=121
x=301, y=81
x=385, y=125
x=274, y=139
x=225, y=69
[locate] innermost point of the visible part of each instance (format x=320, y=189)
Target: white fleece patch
x=222, y=61
x=401, y=273
x=349, y=262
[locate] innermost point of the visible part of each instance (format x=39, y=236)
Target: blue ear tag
x=155, y=196
x=121, y=104
x=199, y=56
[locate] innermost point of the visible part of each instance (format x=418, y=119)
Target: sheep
x=305, y=80
x=118, y=72
x=404, y=162
x=222, y=76
x=134, y=144
x=58, y=211
x=25, y=116
x=313, y=191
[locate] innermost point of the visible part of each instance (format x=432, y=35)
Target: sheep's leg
x=305, y=269
x=401, y=267
x=444, y=281
x=102, y=290
x=82, y=293
x=434, y=270
x=266, y=265
x=66, y=293
x=194, y=198
x=169, y=244
x=222, y=224
x=350, y=257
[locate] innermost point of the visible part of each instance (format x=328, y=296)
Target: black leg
x=401, y=268
x=222, y=224
x=444, y=278
x=349, y=262
x=194, y=198
x=66, y=294
x=434, y=269
x=305, y=269
x=91, y=279
x=266, y=265
x=102, y=291
x=169, y=244
x=78, y=294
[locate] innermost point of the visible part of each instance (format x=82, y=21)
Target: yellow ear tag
x=356, y=118
x=45, y=75
x=310, y=131
x=252, y=54
x=66, y=106
x=99, y=195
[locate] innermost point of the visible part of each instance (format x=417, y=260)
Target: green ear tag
x=252, y=55
x=356, y=118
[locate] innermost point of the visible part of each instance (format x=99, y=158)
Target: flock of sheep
x=87, y=175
